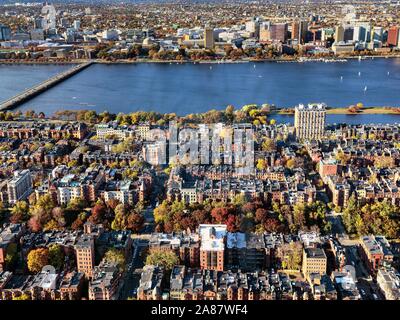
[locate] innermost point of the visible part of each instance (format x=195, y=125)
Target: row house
x=46, y=285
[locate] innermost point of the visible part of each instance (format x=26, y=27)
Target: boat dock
x=32, y=92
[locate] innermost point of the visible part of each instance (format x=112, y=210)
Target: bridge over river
x=30, y=93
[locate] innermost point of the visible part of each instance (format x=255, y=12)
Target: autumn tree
x=97, y=214
x=292, y=256
x=20, y=212
x=37, y=259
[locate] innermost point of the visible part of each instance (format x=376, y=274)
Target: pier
x=32, y=92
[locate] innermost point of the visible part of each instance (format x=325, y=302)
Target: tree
x=77, y=224
x=268, y=145
x=56, y=256
x=348, y=213
x=261, y=215
x=135, y=222
x=299, y=216
x=293, y=256
x=11, y=255
x=271, y=225
x=261, y=164
x=220, y=215
x=98, y=213
x=162, y=212
x=51, y=225
x=290, y=163
x=23, y=296
x=37, y=259
x=19, y=212
x=119, y=222
x=167, y=259
x=115, y=256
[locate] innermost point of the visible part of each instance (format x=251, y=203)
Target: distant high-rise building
x=393, y=36
x=339, y=34
x=38, y=23
x=5, y=33
x=77, y=24
x=362, y=32
x=253, y=27
x=377, y=34
x=64, y=23
x=208, y=37
x=299, y=31
x=348, y=33
x=309, y=121
x=264, y=32
x=278, y=32
x=49, y=17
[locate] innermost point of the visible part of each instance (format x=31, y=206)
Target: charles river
x=193, y=88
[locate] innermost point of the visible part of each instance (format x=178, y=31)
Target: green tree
x=56, y=256
x=11, y=255
x=167, y=259
x=115, y=256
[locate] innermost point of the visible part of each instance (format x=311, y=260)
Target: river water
x=192, y=88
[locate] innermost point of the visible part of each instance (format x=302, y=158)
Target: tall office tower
x=19, y=187
x=356, y=33
x=295, y=30
x=348, y=34
x=77, y=24
x=49, y=17
x=393, y=36
x=37, y=23
x=212, y=248
x=309, y=122
x=208, y=37
x=299, y=31
x=339, y=34
x=5, y=33
x=377, y=33
x=368, y=33
x=64, y=23
x=85, y=255
x=278, y=31
x=253, y=27
x=264, y=32
x=362, y=32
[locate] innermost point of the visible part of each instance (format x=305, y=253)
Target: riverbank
x=338, y=59
x=345, y=111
